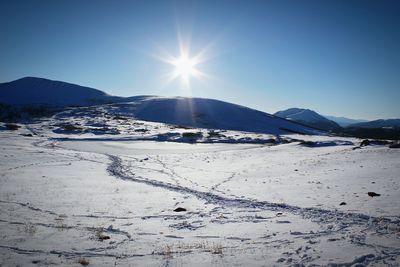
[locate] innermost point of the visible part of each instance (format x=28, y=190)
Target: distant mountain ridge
x=308, y=117
x=389, y=123
x=378, y=129
x=342, y=121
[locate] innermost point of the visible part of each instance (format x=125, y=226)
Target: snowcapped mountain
x=390, y=123
x=342, y=121
x=308, y=117
x=39, y=91
x=193, y=112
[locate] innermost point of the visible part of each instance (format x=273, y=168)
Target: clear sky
x=337, y=57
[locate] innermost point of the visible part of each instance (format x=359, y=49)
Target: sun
x=185, y=67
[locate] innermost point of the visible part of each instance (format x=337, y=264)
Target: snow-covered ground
x=104, y=192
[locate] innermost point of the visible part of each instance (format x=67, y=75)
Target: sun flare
x=185, y=67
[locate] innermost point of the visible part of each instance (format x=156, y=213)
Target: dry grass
x=83, y=261
x=30, y=228
x=61, y=226
x=169, y=249
x=216, y=249
x=100, y=235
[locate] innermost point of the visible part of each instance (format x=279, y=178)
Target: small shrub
x=214, y=134
x=38, y=111
x=216, y=249
x=181, y=127
x=83, y=261
x=167, y=251
x=12, y=126
x=30, y=228
x=365, y=142
x=100, y=234
x=61, y=226
x=141, y=130
x=120, y=118
x=9, y=113
x=394, y=145
x=192, y=135
x=71, y=128
x=308, y=143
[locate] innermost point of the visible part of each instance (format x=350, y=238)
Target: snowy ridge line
x=117, y=169
x=162, y=138
x=166, y=138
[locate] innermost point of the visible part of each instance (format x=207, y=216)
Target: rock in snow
x=179, y=209
x=373, y=194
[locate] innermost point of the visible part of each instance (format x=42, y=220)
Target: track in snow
x=341, y=219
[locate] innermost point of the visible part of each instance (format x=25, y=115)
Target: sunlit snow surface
x=251, y=199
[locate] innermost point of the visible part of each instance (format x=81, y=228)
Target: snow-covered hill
x=209, y=113
x=193, y=112
x=39, y=91
x=308, y=117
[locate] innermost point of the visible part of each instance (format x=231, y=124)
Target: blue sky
x=336, y=57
